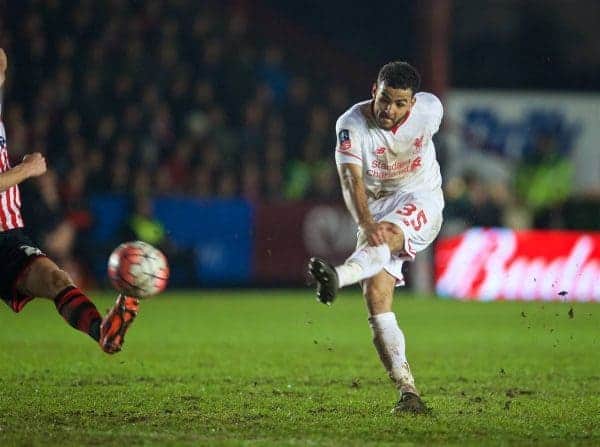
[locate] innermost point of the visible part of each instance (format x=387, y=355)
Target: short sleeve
x=348, y=148
x=434, y=111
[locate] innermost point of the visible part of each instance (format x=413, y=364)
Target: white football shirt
x=400, y=159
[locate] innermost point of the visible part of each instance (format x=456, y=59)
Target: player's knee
x=394, y=236
x=57, y=280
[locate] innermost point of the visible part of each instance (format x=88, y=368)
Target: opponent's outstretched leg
x=116, y=323
x=43, y=278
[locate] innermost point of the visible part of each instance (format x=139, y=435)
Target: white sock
x=389, y=342
x=363, y=263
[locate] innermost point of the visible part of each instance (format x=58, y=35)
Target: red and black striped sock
x=79, y=311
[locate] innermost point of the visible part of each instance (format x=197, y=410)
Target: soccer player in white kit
x=391, y=185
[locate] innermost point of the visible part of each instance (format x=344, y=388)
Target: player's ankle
x=94, y=331
x=408, y=388
x=348, y=273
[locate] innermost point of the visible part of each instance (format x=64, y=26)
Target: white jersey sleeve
x=349, y=142
x=434, y=110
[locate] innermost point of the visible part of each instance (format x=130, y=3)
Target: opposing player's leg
x=43, y=278
x=389, y=340
x=116, y=322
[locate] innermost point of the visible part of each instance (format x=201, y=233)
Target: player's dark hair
x=401, y=75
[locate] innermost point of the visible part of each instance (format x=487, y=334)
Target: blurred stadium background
x=207, y=128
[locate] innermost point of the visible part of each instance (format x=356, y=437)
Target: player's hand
x=389, y=230
x=379, y=233
x=3, y=66
x=35, y=164
x=374, y=233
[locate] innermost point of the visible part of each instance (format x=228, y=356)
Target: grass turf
x=274, y=368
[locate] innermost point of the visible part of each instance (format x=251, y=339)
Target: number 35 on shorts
x=413, y=216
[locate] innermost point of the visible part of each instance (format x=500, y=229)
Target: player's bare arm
x=355, y=197
x=33, y=165
x=3, y=66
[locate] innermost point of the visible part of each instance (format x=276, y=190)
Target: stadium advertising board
x=288, y=234
x=502, y=264
x=488, y=131
x=217, y=231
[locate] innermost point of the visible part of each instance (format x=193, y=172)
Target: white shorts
x=418, y=215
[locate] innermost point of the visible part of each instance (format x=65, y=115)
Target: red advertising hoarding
x=288, y=234
x=502, y=264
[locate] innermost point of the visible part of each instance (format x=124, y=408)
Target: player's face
x=391, y=105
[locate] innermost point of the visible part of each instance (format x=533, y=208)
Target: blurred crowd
x=181, y=97
x=132, y=97
x=161, y=98
x=533, y=190
x=536, y=195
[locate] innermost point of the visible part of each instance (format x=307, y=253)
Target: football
x=138, y=269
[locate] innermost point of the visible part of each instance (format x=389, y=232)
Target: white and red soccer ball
x=138, y=269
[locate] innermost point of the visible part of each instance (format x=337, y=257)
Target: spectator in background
x=253, y=122
x=143, y=225
x=50, y=225
x=272, y=72
x=482, y=210
x=295, y=112
x=46, y=217
x=300, y=171
x=325, y=185
x=251, y=181
x=96, y=178
x=222, y=133
x=178, y=165
x=201, y=182
x=273, y=185
x=544, y=181
x=470, y=204
x=138, y=110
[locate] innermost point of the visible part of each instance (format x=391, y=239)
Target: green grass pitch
x=275, y=368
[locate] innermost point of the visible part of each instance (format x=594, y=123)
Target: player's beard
x=389, y=123
x=385, y=122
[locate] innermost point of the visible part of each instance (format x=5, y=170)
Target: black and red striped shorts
x=17, y=252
